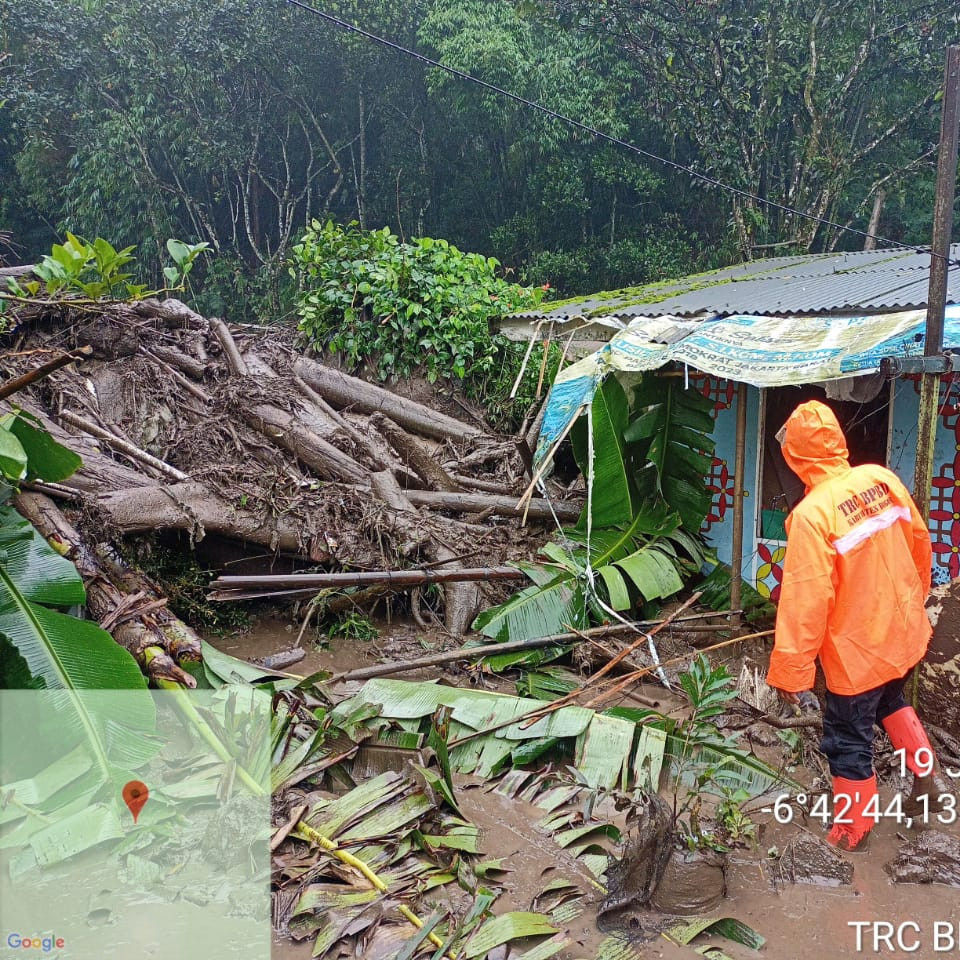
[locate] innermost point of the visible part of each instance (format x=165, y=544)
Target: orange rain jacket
x=857, y=567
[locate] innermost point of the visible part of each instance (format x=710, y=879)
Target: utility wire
x=609, y=138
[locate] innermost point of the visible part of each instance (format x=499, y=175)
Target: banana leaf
x=612, y=498
x=13, y=458
x=59, y=650
x=537, y=611
x=508, y=926
x=729, y=927
x=668, y=442
x=638, y=561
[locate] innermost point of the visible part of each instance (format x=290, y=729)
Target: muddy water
x=818, y=921
x=396, y=641
x=273, y=635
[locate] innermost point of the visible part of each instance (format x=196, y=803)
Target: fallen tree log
x=414, y=455
x=290, y=429
x=192, y=507
x=138, y=621
x=501, y=506
x=247, y=587
x=341, y=390
x=292, y=432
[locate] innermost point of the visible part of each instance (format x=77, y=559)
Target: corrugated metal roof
x=861, y=281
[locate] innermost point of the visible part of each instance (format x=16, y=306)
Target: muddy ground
x=849, y=907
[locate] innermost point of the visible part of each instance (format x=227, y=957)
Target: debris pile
x=187, y=423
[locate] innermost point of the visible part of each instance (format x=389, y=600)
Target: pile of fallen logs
x=189, y=423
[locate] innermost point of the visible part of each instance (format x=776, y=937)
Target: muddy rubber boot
x=852, y=833
x=935, y=788
x=906, y=733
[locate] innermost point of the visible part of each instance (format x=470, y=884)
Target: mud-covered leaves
x=729, y=927
x=599, y=746
x=392, y=825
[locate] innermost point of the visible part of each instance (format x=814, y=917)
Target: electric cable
x=609, y=138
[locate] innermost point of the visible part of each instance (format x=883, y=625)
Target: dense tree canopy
x=237, y=121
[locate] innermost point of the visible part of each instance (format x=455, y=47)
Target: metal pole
x=939, y=266
x=736, y=553
x=937, y=295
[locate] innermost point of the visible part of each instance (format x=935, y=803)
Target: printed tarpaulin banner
x=761, y=351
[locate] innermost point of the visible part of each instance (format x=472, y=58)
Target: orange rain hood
x=813, y=444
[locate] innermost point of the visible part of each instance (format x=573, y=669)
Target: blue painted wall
x=762, y=559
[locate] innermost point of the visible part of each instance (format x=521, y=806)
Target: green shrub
x=421, y=306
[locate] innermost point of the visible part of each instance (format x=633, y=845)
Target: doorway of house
x=865, y=424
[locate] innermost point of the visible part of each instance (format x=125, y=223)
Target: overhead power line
x=609, y=138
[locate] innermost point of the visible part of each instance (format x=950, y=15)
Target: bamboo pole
x=390, y=578
x=481, y=650
x=736, y=552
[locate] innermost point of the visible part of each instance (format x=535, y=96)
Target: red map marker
x=135, y=795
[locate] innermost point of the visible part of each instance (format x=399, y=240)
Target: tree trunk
x=342, y=390
x=137, y=620
x=191, y=506
x=413, y=454
x=460, y=599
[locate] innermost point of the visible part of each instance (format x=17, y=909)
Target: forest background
x=235, y=122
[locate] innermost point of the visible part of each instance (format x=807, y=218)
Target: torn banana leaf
x=600, y=746
x=729, y=927
x=508, y=926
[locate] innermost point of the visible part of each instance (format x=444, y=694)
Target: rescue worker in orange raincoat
x=855, y=579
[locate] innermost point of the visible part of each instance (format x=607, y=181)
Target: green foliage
x=648, y=499
x=238, y=122
x=705, y=762
x=184, y=581
x=352, y=626
x=710, y=691
x=733, y=823
x=669, y=443
x=668, y=251
x=226, y=286
x=812, y=105
x=95, y=271
x=715, y=593
x=405, y=306
x=39, y=646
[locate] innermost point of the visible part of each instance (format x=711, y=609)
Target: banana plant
x=647, y=498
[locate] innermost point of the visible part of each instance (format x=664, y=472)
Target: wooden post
x=937, y=295
x=736, y=557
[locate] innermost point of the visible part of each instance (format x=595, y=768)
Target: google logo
x=46, y=944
